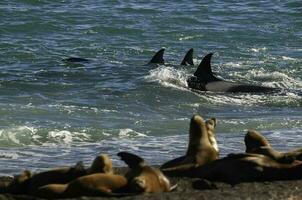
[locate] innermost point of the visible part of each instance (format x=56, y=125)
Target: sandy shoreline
x=188, y=189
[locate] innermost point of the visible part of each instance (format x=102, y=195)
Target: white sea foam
x=256, y=50
x=8, y=155
x=67, y=137
x=168, y=77
x=108, y=111
x=127, y=132
x=20, y=135
x=272, y=79
x=233, y=64
x=288, y=58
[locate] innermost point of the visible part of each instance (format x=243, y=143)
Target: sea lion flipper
x=173, y=187
x=158, y=57
x=131, y=160
x=188, y=59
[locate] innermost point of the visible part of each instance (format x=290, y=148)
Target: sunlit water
x=55, y=113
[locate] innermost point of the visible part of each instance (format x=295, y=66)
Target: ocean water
x=55, y=113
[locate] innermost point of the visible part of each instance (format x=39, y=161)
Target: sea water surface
x=55, y=113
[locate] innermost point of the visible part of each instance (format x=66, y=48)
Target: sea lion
x=101, y=164
x=205, y=80
x=97, y=184
x=255, y=142
x=237, y=168
x=143, y=178
x=28, y=183
x=202, y=147
x=140, y=178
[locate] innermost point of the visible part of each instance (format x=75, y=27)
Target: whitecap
x=127, y=132
x=19, y=135
x=168, y=77
x=256, y=50
x=67, y=137
x=288, y=58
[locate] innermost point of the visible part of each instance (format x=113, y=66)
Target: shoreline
x=189, y=188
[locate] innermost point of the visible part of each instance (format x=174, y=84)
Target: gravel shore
x=198, y=189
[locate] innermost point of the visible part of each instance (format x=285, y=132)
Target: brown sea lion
x=140, y=178
x=202, y=147
x=239, y=168
x=143, y=178
x=101, y=164
x=255, y=142
x=97, y=184
x=28, y=183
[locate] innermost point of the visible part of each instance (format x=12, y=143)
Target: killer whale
x=158, y=58
x=205, y=80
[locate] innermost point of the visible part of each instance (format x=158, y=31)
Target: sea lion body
x=147, y=180
x=143, y=178
x=98, y=184
x=200, y=149
x=246, y=168
x=28, y=183
x=140, y=178
x=255, y=142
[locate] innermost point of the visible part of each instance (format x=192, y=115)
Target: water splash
x=168, y=77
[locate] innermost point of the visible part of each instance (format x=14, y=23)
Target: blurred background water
x=55, y=113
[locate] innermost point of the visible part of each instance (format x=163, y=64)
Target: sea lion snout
x=197, y=120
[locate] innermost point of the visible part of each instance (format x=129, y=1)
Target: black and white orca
x=205, y=80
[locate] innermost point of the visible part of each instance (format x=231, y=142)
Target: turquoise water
x=55, y=113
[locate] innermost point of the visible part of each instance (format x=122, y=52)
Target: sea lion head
x=197, y=134
x=101, y=164
x=143, y=178
x=254, y=140
x=20, y=183
x=211, y=125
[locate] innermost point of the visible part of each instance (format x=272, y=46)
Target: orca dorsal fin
x=158, y=58
x=188, y=59
x=204, y=70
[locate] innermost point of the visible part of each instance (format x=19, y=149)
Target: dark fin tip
x=188, y=59
x=75, y=59
x=204, y=68
x=131, y=160
x=158, y=58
